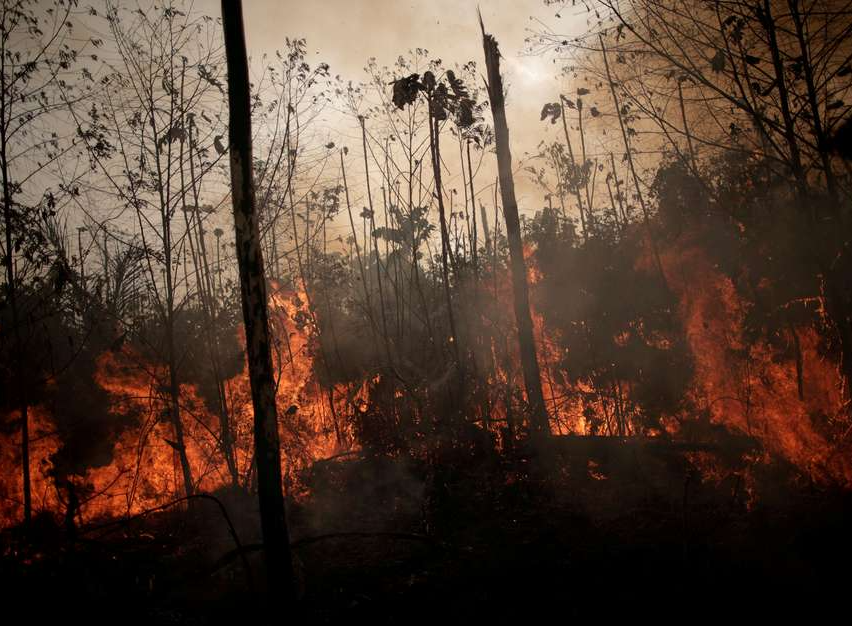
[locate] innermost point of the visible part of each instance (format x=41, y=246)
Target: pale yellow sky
x=346, y=33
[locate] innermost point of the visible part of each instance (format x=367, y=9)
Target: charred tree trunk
x=179, y=443
x=372, y=219
x=797, y=348
x=175, y=412
x=590, y=215
x=583, y=223
x=164, y=176
x=435, y=150
x=652, y=240
x=765, y=17
x=520, y=289
x=276, y=540
x=485, y=232
x=192, y=219
x=473, y=243
x=686, y=133
x=816, y=119
x=11, y=294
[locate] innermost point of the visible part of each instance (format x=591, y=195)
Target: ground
x=480, y=539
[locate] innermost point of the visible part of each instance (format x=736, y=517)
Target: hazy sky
x=346, y=33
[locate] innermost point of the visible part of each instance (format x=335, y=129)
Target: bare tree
x=276, y=539
x=520, y=288
x=767, y=81
x=150, y=135
x=37, y=47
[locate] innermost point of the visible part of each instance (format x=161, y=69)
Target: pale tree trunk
x=276, y=540
x=520, y=289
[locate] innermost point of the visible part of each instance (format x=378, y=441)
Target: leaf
x=552, y=110
x=464, y=113
x=389, y=234
x=429, y=81
x=765, y=92
x=796, y=67
x=405, y=90
x=594, y=111
x=205, y=74
x=176, y=133
x=752, y=60
x=457, y=85
x=837, y=104
x=841, y=142
x=582, y=91
x=717, y=63
x=436, y=108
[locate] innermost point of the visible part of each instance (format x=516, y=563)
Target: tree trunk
x=474, y=238
x=627, y=151
x=818, y=128
x=768, y=23
x=520, y=289
x=11, y=293
x=435, y=150
x=583, y=223
x=276, y=540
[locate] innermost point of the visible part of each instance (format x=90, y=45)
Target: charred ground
x=645, y=538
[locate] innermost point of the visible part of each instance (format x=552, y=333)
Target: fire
x=44, y=442
x=144, y=470
x=565, y=401
x=568, y=401
x=747, y=388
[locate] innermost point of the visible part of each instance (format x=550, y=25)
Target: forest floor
x=622, y=533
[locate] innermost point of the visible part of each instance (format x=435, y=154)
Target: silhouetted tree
x=276, y=540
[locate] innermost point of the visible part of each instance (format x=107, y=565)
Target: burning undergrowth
x=625, y=353
x=127, y=460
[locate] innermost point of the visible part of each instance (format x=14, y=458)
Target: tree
x=766, y=82
x=37, y=50
x=446, y=95
x=149, y=135
x=520, y=288
x=276, y=540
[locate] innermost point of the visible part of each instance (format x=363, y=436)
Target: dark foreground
x=597, y=530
